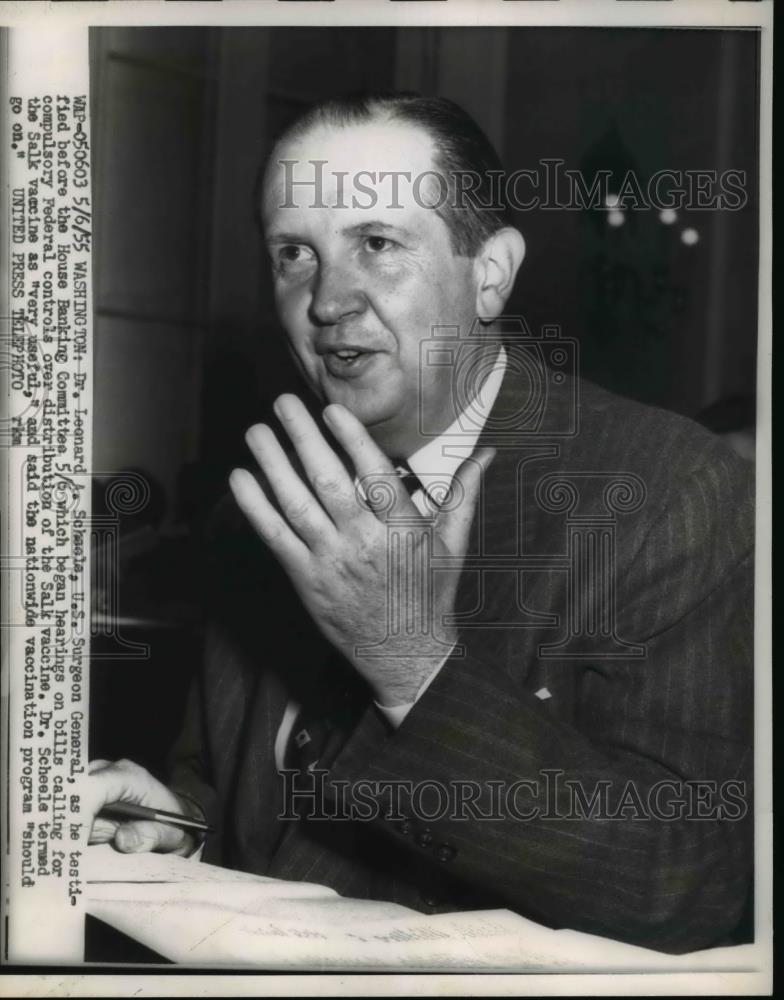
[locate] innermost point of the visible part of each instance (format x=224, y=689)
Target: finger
x=454, y=523
x=123, y=781
x=147, y=835
x=300, y=508
x=103, y=831
x=113, y=781
x=370, y=463
x=324, y=469
x=270, y=526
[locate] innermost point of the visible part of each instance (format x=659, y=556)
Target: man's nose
x=337, y=293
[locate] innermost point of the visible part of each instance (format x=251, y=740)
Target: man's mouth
x=347, y=361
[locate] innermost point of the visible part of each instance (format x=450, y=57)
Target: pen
x=130, y=810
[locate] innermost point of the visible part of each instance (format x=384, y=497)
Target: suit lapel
x=508, y=524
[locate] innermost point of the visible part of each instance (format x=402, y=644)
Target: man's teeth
x=347, y=355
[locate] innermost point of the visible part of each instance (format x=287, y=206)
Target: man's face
x=358, y=288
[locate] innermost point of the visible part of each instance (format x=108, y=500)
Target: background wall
x=659, y=320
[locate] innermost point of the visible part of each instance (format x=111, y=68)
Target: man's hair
x=461, y=148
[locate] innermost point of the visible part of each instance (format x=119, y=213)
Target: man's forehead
x=337, y=162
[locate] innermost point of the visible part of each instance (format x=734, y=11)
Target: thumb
x=147, y=835
x=455, y=519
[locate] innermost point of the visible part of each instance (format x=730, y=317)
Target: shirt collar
x=439, y=459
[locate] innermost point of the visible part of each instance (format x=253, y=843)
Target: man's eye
x=293, y=254
x=378, y=244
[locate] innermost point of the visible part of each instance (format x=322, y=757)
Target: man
x=508, y=660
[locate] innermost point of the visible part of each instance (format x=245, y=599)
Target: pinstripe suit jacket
x=672, y=704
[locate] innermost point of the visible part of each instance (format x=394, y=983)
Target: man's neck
x=400, y=442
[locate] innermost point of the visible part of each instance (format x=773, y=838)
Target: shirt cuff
x=395, y=714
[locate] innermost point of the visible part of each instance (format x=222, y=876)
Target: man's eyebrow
x=275, y=237
x=374, y=227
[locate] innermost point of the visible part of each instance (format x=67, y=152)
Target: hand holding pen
x=135, y=812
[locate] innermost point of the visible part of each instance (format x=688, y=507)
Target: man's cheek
x=293, y=314
x=292, y=297
x=395, y=284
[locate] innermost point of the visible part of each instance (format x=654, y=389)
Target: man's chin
x=367, y=403
x=367, y=411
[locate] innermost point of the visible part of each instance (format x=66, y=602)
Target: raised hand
x=334, y=544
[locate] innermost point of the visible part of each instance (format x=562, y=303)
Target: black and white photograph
x=386, y=498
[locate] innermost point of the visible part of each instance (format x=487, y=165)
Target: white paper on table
x=202, y=915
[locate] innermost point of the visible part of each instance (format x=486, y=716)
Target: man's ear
x=496, y=267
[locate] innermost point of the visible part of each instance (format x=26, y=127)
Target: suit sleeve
x=205, y=748
x=188, y=767
x=630, y=815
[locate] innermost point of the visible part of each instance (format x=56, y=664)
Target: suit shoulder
x=696, y=487
x=652, y=439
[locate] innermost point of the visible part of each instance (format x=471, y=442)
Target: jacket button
x=425, y=838
x=445, y=852
x=429, y=899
